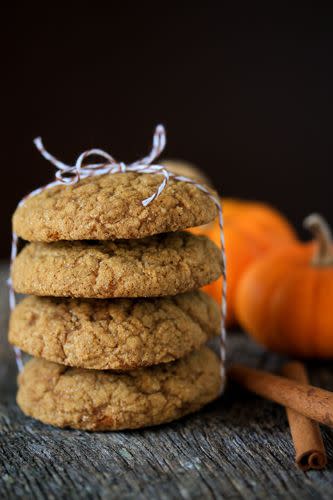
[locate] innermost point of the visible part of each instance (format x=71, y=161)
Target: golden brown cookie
x=118, y=334
x=104, y=400
x=109, y=207
x=164, y=264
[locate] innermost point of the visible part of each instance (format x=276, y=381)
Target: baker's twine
x=71, y=174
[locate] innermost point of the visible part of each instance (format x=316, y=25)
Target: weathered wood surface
x=238, y=447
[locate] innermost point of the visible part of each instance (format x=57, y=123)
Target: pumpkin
x=251, y=230
x=285, y=300
x=187, y=169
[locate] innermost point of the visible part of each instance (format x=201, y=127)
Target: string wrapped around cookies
x=72, y=174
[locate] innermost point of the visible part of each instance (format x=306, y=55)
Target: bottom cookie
x=104, y=400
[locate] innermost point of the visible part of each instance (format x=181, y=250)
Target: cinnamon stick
x=309, y=447
x=306, y=399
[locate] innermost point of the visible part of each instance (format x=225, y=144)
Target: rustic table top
x=237, y=447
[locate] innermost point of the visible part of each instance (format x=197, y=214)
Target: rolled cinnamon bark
x=308, y=400
x=309, y=447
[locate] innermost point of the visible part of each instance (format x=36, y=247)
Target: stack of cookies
x=114, y=319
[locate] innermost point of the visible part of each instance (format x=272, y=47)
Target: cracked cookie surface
x=118, y=334
x=109, y=207
x=165, y=264
x=104, y=400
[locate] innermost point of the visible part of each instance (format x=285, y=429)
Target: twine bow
x=71, y=174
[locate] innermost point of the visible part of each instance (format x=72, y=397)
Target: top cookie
x=109, y=207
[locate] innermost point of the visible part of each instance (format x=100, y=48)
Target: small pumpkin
x=285, y=300
x=251, y=230
x=187, y=169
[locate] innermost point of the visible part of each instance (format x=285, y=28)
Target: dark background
x=245, y=95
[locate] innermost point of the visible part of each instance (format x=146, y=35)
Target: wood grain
x=238, y=447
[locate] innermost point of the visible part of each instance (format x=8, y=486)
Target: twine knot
x=71, y=174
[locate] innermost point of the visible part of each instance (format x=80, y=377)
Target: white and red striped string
x=70, y=174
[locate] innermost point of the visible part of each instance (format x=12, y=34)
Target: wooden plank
x=238, y=447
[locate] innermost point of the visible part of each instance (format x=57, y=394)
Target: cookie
x=119, y=334
x=104, y=400
x=165, y=264
x=109, y=207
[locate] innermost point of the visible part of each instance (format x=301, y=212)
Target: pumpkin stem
x=322, y=234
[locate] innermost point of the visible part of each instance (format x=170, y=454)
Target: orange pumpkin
x=251, y=230
x=187, y=169
x=285, y=300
